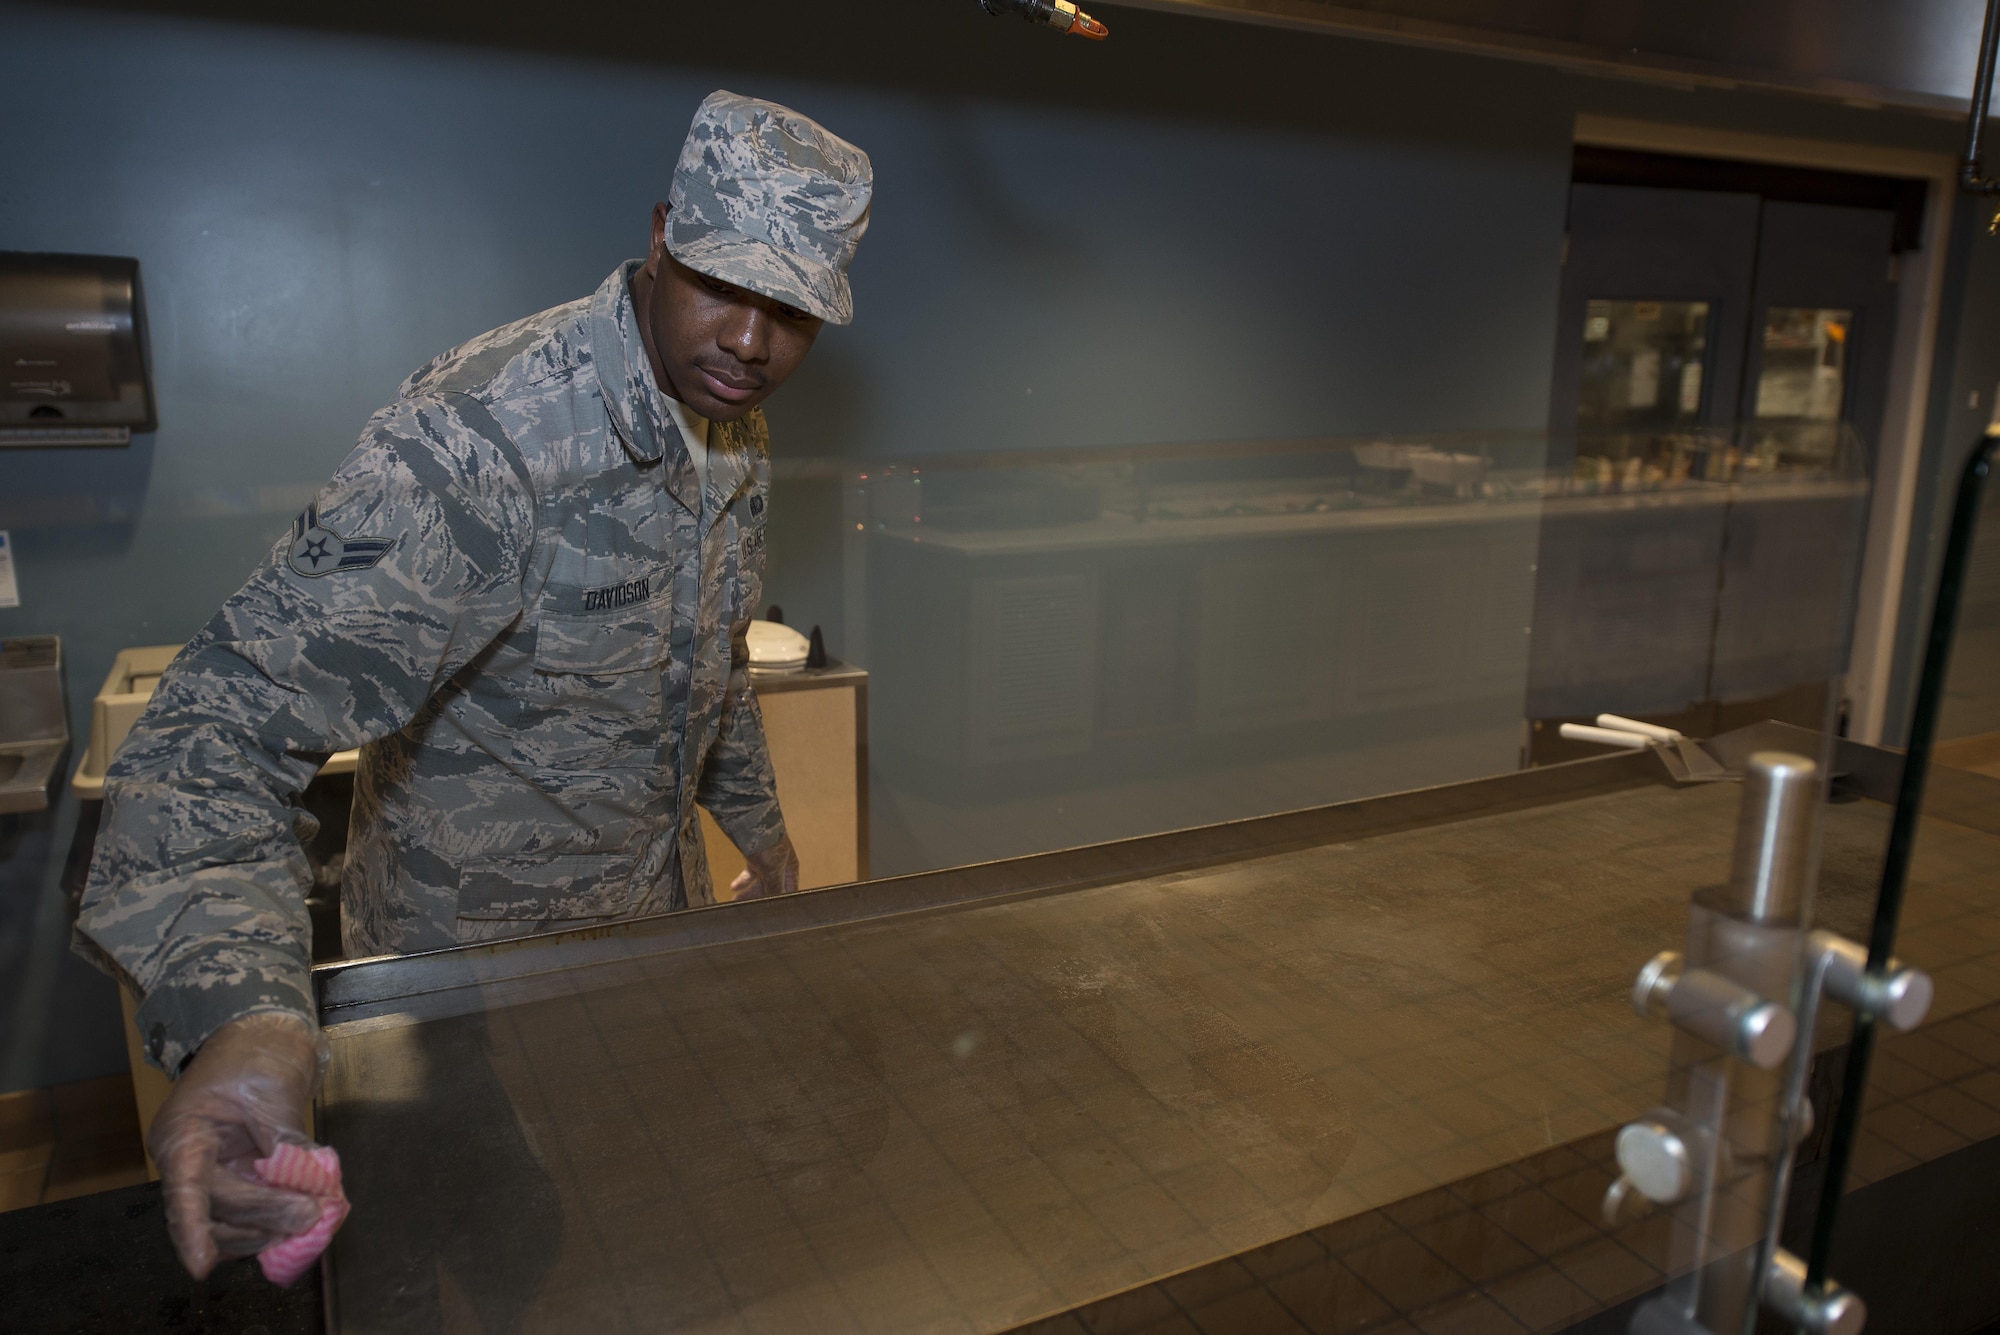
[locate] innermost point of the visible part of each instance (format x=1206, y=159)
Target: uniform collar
x=623, y=372
x=728, y=462
x=631, y=397
x=638, y=406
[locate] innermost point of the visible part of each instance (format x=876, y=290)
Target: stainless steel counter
x=34, y=732
x=965, y=1100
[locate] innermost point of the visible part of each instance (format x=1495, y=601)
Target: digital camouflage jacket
x=515, y=599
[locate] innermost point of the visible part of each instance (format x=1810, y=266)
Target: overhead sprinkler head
x=1061, y=15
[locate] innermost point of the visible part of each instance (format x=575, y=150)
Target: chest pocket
x=607, y=630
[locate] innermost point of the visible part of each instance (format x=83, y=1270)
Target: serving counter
x=986, y=1097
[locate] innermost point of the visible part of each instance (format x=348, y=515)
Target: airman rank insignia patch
x=318, y=550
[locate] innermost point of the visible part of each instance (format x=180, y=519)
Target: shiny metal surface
x=31, y=691
x=34, y=727
x=968, y=1118
x=1771, y=870
x=1655, y=983
x=1833, y=1312
x=1656, y=1159
x=25, y=775
x=1723, y=1012
x=1899, y=996
x=1916, y=53
x=1735, y=1031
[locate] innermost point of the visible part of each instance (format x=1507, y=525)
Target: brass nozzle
x=1086, y=26
x=1066, y=17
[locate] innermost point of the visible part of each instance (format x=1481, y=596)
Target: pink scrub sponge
x=314, y=1170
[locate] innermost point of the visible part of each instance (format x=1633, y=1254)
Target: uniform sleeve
x=406, y=565
x=737, y=785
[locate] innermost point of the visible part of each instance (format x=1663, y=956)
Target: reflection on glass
x=1802, y=386
x=1968, y=731
x=1805, y=362
x=1642, y=364
x=1940, y=878
x=1069, y=649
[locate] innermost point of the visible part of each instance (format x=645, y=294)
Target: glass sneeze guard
x=1218, y=916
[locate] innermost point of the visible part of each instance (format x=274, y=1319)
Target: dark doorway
x=1699, y=292
x=1718, y=320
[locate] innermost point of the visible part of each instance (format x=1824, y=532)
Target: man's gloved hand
x=775, y=871
x=247, y=1091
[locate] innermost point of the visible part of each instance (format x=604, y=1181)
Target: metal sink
x=25, y=774
x=34, y=725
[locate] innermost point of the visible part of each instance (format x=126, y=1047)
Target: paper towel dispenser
x=73, y=350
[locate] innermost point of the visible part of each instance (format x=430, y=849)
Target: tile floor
x=67, y=1141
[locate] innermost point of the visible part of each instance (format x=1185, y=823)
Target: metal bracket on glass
x=1899, y=997
x=1660, y=1157
x=1831, y=1310
x=1719, y=1009
x=1719, y=1151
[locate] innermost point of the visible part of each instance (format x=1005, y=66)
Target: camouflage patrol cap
x=768, y=200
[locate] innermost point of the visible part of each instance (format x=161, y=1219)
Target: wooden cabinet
x=816, y=723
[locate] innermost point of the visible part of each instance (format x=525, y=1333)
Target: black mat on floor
x=103, y=1263
x=1922, y=1249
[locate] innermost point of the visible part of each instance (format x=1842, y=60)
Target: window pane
x=1642, y=364
x=1805, y=363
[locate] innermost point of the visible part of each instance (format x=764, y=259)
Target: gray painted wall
x=1197, y=231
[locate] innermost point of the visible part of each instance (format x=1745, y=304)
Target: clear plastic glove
x=775, y=871
x=247, y=1091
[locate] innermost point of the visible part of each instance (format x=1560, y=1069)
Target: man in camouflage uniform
x=524, y=596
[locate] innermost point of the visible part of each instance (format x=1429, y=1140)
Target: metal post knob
x=1829, y=1310
x=1662, y=1157
x=1655, y=981
x=1719, y=1009
x=1657, y=1160
x=1899, y=996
